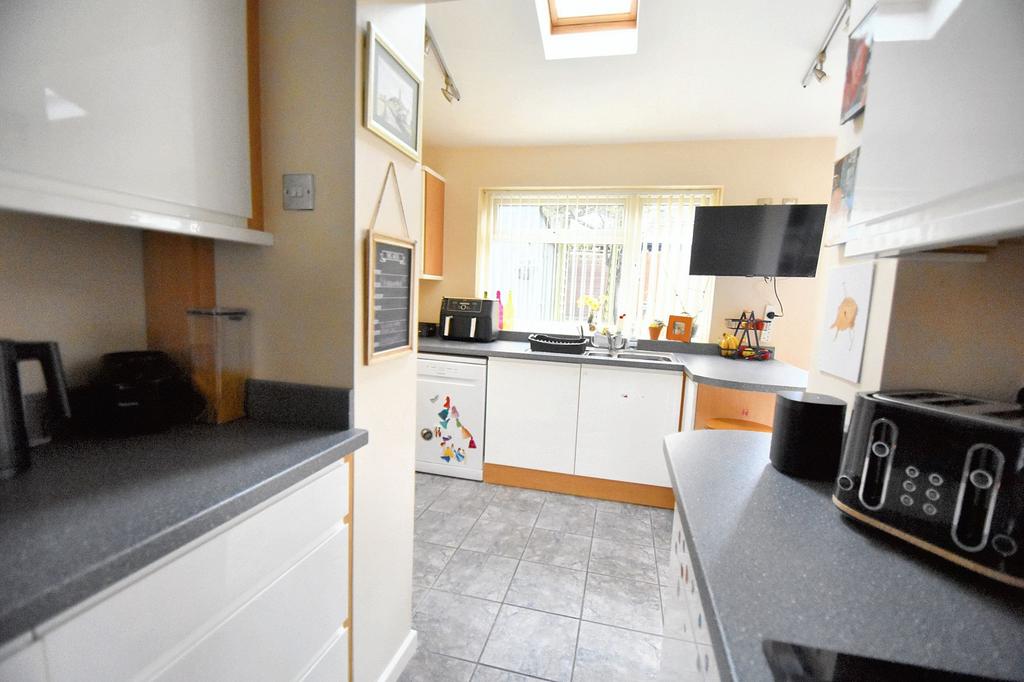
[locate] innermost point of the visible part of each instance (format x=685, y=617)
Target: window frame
x=634, y=196
x=592, y=22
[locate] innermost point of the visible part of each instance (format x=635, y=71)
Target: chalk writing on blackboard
x=392, y=296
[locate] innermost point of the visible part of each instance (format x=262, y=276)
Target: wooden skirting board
x=584, y=486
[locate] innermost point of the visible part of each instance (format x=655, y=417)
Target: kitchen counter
x=91, y=511
x=701, y=362
x=775, y=559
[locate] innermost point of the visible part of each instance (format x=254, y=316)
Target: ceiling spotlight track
x=450, y=91
x=817, y=67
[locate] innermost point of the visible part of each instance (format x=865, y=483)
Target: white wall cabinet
x=942, y=147
x=531, y=414
x=264, y=599
x=138, y=115
x=624, y=414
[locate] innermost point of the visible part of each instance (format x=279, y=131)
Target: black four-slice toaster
x=942, y=471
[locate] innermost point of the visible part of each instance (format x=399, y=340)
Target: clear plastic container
x=221, y=348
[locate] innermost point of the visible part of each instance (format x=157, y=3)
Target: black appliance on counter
x=14, y=442
x=796, y=663
x=142, y=392
x=468, y=319
x=942, y=471
x=807, y=434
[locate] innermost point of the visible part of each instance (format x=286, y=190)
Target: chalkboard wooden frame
x=373, y=241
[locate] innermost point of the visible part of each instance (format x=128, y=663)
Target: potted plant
x=593, y=306
x=654, y=328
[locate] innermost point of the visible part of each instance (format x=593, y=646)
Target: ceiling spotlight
x=818, y=71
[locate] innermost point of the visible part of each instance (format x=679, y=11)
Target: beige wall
x=956, y=326
x=73, y=282
x=748, y=170
x=300, y=289
x=385, y=391
x=883, y=286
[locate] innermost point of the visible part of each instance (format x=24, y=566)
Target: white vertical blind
x=630, y=248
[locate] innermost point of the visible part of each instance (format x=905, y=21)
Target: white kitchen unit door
x=531, y=414
x=624, y=415
x=450, y=396
x=138, y=115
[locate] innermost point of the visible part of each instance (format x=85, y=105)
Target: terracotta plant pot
x=655, y=332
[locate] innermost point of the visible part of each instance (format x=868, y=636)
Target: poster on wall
x=844, y=330
x=858, y=61
x=840, y=204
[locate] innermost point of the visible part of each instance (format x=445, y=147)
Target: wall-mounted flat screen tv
x=757, y=241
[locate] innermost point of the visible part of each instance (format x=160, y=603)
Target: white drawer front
x=28, y=665
x=154, y=619
x=333, y=665
x=280, y=633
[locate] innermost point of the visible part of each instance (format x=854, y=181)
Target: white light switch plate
x=298, y=191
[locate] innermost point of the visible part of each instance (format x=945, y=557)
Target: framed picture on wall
x=393, y=101
x=844, y=330
x=858, y=61
x=840, y=204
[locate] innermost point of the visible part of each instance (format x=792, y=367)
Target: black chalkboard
x=390, y=268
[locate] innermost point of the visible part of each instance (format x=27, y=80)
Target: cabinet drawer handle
x=426, y=434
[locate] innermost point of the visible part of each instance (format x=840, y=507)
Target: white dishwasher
x=451, y=392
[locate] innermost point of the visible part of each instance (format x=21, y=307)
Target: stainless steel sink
x=633, y=355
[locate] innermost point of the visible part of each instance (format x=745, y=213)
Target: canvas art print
x=841, y=345
x=858, y=60
x=841, y=202
x=393, y=96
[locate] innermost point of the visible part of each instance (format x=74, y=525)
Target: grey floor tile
x=666, y=575
x=504, y=511
x=497, y=537
x=569, y=517
x=623, y=528
x=661, y=520
x=558, y=549
x=476, y=574
x=468, y=500
x=454, y=625
x=624, y=508
x=520, y=498
x=623, y=560
x=675, y=614
x=487, y=674
x=532, y=643
x=608, y=654
x=441, y=528
x=547, y=588
x=576, y=500
x=429, y=667
x=417, y=595
x=623, y=603
x=428, y=560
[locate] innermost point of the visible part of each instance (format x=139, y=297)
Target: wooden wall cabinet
x=433, y=226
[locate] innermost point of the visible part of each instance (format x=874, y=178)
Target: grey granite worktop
x=775, y=559
x=700, y=362
x=90, y=511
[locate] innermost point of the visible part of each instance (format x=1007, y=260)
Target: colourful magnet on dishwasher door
x=437, y=432
x=434, y=399
x=444, y=423
x=443, y=414
x=466, y=434
x=455, y=412
x=472, y=444
x=447, y=401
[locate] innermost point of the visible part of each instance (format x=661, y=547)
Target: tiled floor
x=512, y=584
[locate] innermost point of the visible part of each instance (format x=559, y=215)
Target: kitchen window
x=630, y=248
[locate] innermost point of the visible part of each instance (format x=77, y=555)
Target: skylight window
x=587, y=28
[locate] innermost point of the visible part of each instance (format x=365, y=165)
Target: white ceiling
x=704, y=69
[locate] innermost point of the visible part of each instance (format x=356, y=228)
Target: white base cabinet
x=624, y=415
x=266, y=598
x=684, y=595
x=531, y=414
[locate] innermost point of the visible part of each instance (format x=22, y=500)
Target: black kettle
x=13, y=434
